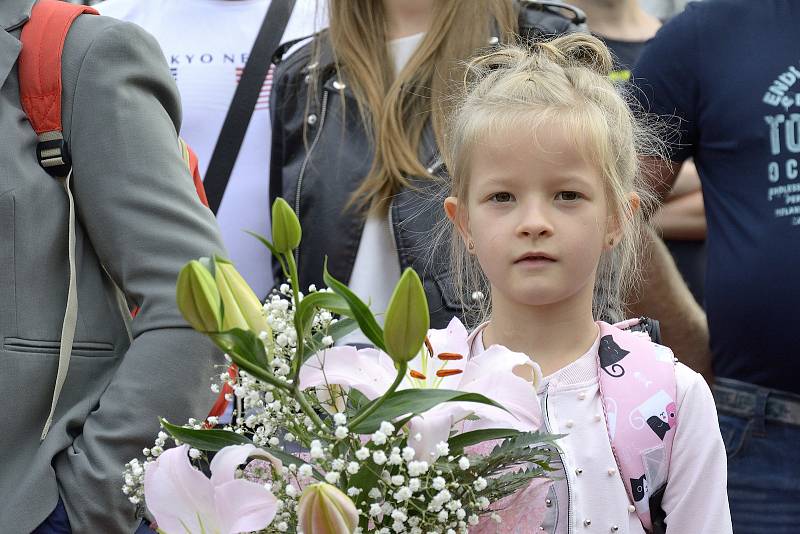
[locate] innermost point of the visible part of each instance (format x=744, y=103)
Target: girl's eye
x=569, y=196
x=502, y=197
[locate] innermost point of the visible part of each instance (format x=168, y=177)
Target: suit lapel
x=9, y=51
x=13, y=14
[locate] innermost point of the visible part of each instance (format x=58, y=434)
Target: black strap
x=244, y=101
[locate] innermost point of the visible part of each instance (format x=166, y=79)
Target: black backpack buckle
x=53, y=154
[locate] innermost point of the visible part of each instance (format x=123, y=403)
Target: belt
x=748, y=400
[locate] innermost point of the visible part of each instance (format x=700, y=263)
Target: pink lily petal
x=451, y=339
x=368, y=370
x=223, y=465
x=433, y=427
x=501, y=360
x=244, y=506
x=178, y=495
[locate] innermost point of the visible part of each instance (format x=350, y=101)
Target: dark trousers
x=58, y=523
x=761, y=430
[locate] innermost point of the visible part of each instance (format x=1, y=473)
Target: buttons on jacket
x=338, y=85
x=312, y=119
x=494, y=40
x=587, y=522
x=631, y=508
x=615, y=528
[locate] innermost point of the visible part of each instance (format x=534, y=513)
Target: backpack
x=638, y=391
x=40, y=95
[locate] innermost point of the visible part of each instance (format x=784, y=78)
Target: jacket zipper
x=546, y=419
x=322, y=114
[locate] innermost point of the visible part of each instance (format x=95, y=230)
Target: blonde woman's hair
x=563, y=81
x=395, y=110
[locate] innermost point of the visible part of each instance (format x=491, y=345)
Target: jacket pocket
x=79, y=348
x=448, y=291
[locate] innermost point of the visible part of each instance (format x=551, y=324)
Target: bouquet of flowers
x=411, y=436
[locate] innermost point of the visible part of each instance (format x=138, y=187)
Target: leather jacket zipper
x=322, y=113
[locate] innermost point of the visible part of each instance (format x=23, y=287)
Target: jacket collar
x=13, y=13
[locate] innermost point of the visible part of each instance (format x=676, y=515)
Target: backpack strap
x=639, y=395
x=39, y=67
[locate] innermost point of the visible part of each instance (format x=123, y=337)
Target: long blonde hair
x=395, y=110
x=564, y=80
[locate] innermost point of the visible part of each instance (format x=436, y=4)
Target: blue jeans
x=761, y=430
x=58, y=523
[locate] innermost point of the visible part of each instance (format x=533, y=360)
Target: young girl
x=543, y=154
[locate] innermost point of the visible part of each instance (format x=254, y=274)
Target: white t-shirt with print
x=206, y=44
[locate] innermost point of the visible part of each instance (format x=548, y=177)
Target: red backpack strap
x=639, y=395
x=39, y=67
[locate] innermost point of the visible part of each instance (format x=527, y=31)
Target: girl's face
x=536, y=217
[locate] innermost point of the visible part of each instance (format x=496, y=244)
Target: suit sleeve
x=137, y=203
x=696, y=497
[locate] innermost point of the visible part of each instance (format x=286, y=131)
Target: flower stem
x=401, y=373
x=308, y=409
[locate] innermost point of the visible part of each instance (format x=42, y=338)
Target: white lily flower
x=508, y=378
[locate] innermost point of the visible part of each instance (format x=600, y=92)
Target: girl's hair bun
x=577, y=48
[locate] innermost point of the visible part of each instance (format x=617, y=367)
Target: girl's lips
x=535, y=259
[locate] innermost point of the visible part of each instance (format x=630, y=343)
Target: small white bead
x=598, y=417
x=338, y=85
x=581, y=395
x=579, y=471
x=570, y=423
x=612, y=472
x=631, y=508
x=587, y=522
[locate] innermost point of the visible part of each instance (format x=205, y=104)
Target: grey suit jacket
x=139, y=217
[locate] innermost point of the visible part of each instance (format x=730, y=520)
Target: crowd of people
x=548, y=170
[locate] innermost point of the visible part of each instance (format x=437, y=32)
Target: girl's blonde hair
x=563, y=81
x=397, y=109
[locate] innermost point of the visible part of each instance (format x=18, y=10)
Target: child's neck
x=553, y=336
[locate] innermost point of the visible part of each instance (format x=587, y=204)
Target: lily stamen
x=429, y=346
x=441, y=373
x=450, y=356
x=417, y=375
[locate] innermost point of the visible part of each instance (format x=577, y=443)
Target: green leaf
x=358, y=310
x=407, y=318
x=247, y=351
x=242, y=343
x=462, y=441
x=304, y=316
x=210, y=440
x=265, y=242
x=414, y=401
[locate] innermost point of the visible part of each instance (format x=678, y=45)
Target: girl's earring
x=471, y=245
x=611, y=242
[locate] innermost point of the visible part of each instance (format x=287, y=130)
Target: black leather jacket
x=319, y=176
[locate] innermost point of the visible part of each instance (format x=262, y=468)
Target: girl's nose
x=534, y=223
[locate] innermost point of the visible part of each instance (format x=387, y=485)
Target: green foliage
x=357, y=310
x=407, y=318
x=413, y=401
x=210, y=440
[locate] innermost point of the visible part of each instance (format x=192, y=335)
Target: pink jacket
x=592, y=497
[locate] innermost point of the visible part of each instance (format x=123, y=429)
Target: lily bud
x=241, y=308
x=286, y=231
x=407, y=319
x=324, y=509
x=198, y=298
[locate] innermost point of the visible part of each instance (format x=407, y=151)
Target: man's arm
x=663, y=294
x=136, y=201
x=683, y=216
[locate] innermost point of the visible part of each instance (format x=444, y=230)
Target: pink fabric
x=639, y=394
x=518, y=512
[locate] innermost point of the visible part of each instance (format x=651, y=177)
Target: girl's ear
x=614, y=231
x=458, y=216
